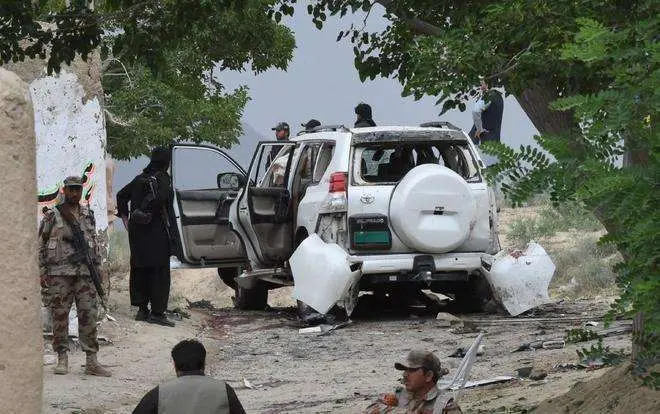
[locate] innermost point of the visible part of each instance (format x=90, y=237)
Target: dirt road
x=339, y=372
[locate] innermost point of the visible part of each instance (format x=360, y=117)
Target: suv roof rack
x=325, y=128
x=439, y=124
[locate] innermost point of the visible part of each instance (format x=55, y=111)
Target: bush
x=588, y=267
x=119, y=255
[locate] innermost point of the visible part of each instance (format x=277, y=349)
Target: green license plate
x=371, y=238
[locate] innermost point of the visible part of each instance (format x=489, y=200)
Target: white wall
x=71, y=139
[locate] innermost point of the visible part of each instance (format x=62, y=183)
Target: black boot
x=160, y=319
x=142, y=314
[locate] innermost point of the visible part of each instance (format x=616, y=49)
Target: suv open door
x=265, y=209
x=206, y=181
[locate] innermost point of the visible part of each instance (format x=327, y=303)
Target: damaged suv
x=408, y=207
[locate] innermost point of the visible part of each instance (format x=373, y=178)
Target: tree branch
x=417, y=25
x=511, y=64
x=114, y=120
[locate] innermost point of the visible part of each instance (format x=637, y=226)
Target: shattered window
x=390, y=162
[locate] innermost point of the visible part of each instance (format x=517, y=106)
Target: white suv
x=409, y=205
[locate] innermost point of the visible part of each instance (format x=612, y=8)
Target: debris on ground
x=323, y=329
x=177, y=314
x=520, y=280
x=541, y=344
x=489, y=381
x=322, y=293
x=200, y=304
x=461, y=352
x=465, y=327
x=446, y=320
x=538, y=374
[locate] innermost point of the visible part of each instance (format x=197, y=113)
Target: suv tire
x=474, y=296
x=228, y=276
x=251, y=299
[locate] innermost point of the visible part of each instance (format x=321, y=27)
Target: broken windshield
x=390, y=162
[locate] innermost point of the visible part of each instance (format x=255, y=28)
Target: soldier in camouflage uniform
x=420, y=394
x=65, y=277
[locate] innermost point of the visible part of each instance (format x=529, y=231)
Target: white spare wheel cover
x=432, y=209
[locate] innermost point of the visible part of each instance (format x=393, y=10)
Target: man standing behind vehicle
x=65, y=275
x=282, y=132
x=364, y=116
x=487, y=116
x=149, y=234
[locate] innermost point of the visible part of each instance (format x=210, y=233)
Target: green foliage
x=28, y=30
x=576, y=335
x=599, y=355
x=161, y=61
x=625, y=200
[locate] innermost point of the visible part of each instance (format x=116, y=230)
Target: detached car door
x=206, y=182
x=265, y=210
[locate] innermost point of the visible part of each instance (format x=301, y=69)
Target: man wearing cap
x=420, y=394
x=65, y=276
x=150, y=237
x=282, y=132
x=364, y=116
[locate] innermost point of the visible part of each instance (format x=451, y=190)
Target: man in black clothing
x=311, y=124
x=364, y=117
x=487, y=115
x=191, y=392
x=150, y=230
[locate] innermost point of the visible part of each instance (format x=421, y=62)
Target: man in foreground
x=191, y=392
x=420, y=394
x=65, y=275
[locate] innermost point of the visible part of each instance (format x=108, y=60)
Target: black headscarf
x=160, y=160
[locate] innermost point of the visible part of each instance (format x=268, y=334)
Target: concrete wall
x=21, y=344
x=70, y=131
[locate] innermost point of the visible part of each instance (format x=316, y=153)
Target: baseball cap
x=312, y=123
x=281, y=126
x=73, y=181
x=422, y=359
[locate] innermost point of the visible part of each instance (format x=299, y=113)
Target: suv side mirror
x=230, y=181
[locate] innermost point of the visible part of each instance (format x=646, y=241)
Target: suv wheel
x=228, y=276
x=474, y=296
x=251, y=299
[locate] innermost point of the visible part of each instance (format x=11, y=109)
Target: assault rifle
x=84, y=253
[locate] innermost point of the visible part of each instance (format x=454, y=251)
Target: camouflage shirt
x=57, y=254
x=402, y=402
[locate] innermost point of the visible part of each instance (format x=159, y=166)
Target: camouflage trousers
x=59, y=294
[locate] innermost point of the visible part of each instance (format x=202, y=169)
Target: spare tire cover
x=432, y=209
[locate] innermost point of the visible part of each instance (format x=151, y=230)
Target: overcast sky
x=321, y=82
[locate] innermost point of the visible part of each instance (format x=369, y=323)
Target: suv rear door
x=265, y=210
x=202, y=207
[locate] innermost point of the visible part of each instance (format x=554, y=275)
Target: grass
x=586, y=267
x=550, y=221
x=583, y=266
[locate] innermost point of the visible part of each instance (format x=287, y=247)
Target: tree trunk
x=535, y=102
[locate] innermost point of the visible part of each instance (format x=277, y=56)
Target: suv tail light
x=338, y=182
